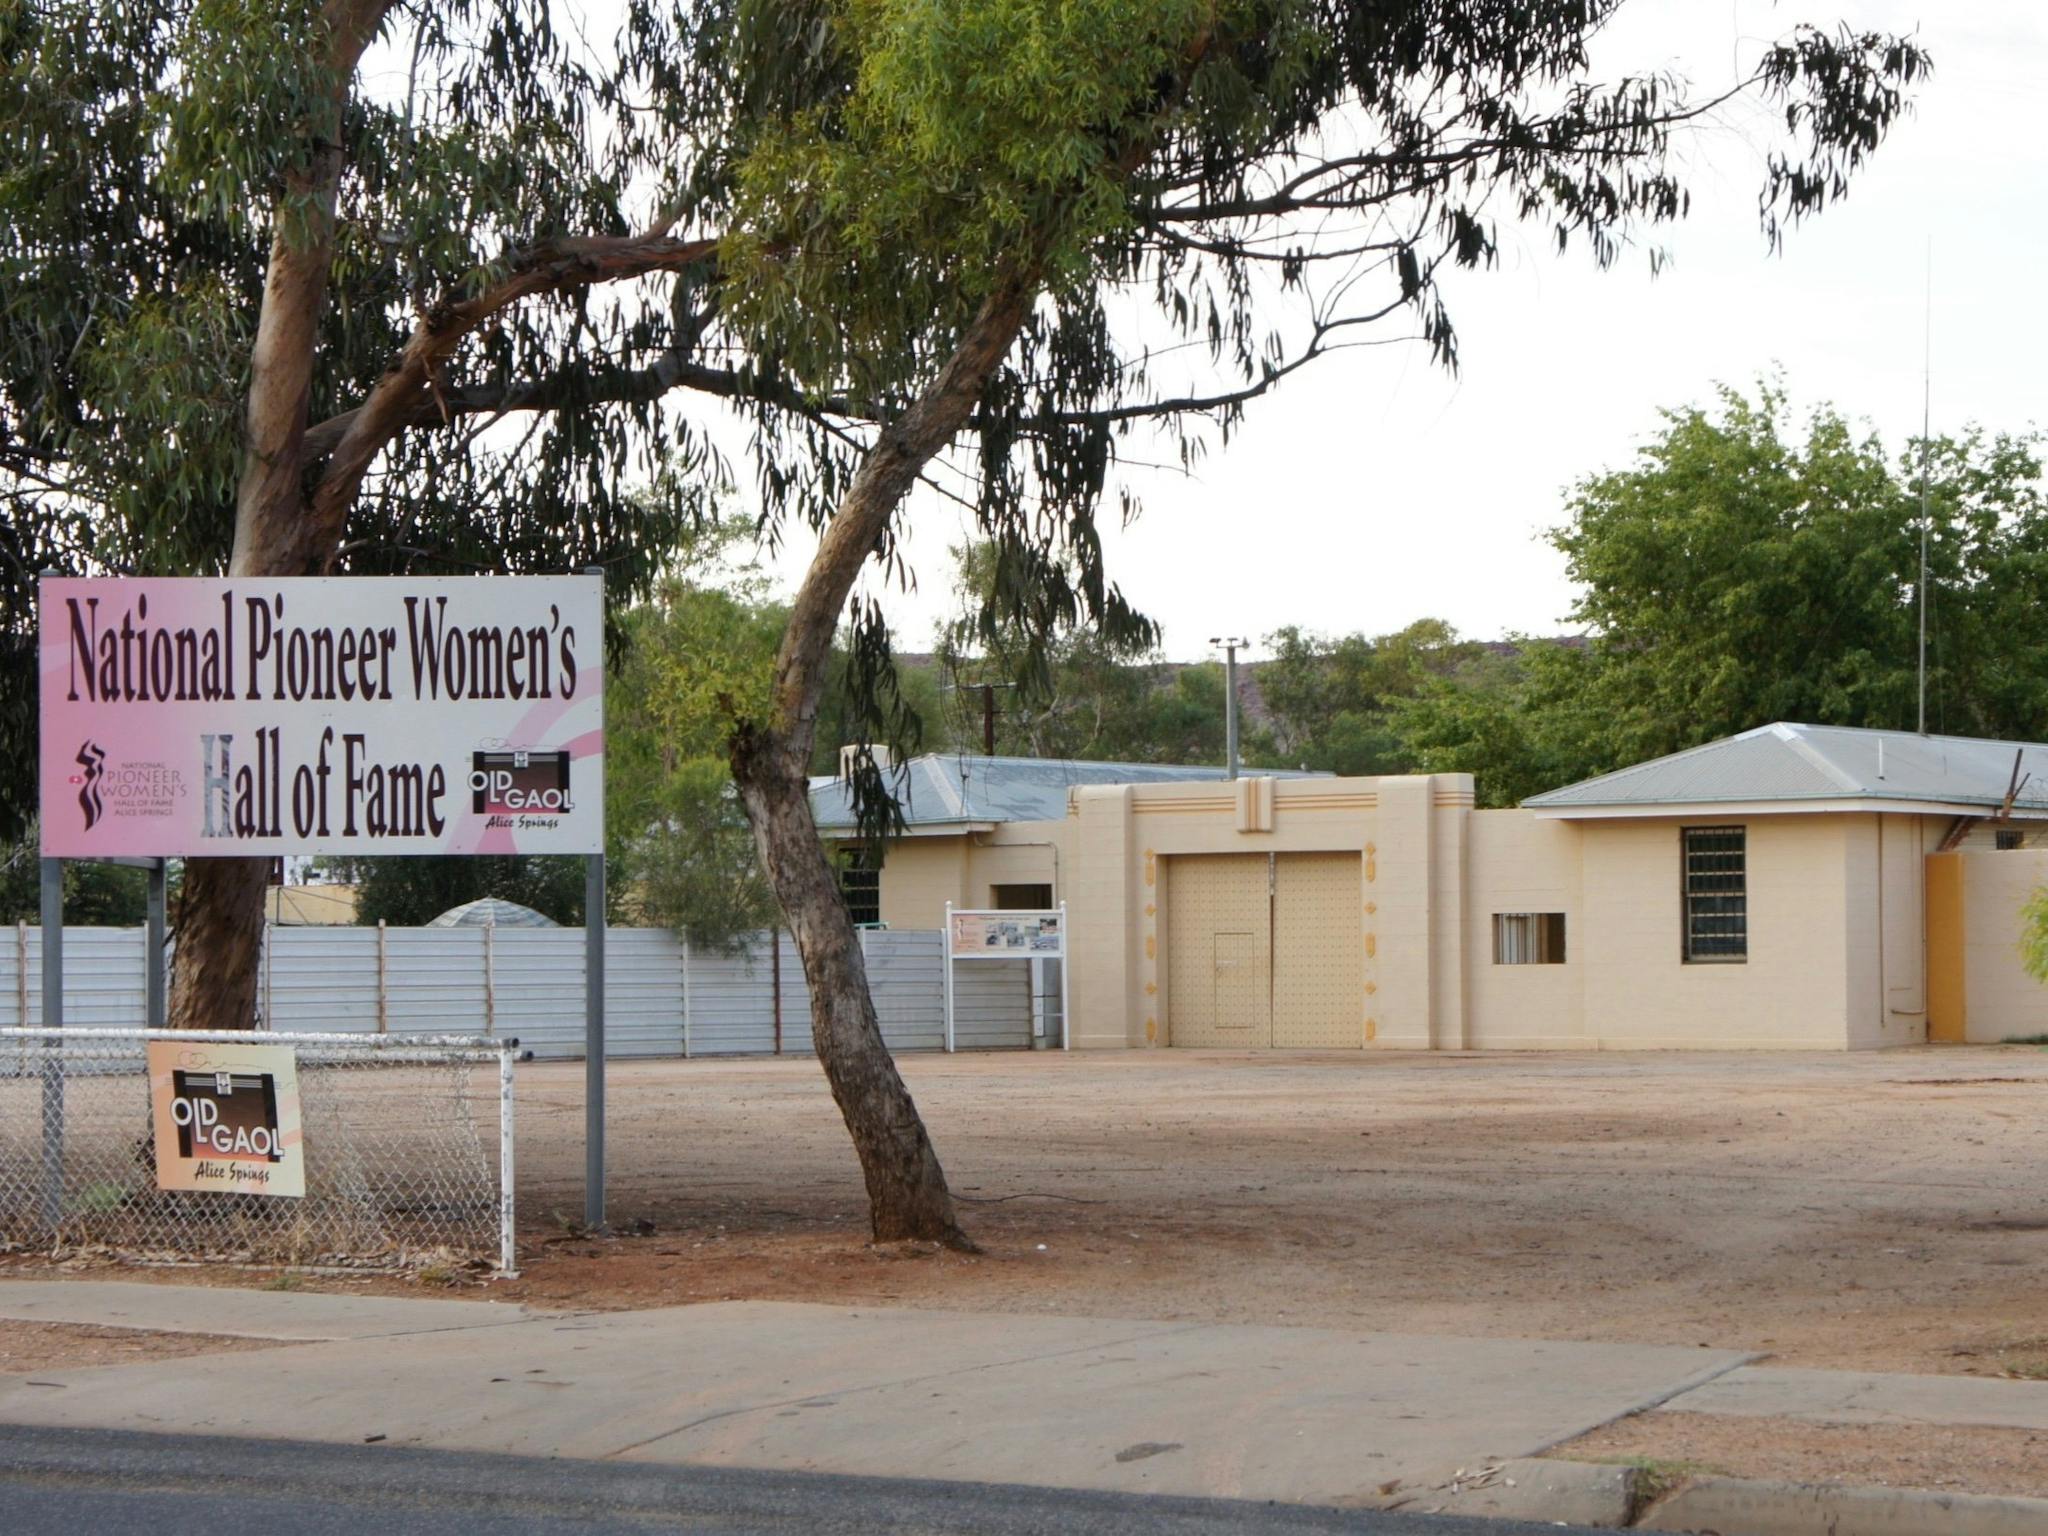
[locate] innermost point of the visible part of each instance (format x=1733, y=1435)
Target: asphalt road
x=85, y=1482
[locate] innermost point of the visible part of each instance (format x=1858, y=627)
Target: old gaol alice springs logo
x=519, y=783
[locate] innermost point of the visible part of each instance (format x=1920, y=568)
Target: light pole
x=1231, y=644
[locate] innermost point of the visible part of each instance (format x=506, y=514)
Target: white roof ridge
x=1794, y=736
x=952, y=791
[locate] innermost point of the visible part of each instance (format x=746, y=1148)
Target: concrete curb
x=1728, y=1506
x=1571, y=1492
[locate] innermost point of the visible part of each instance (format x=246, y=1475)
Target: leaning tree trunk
x=220, y=905
x=907, y=1194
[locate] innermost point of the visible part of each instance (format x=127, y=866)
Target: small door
x=1235, y=973
x=1219, y=951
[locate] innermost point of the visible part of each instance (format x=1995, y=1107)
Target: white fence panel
x=732, y=1003
x=992, y=1005
x=104, y=982
x=643, y=993
x=794, y=1008
x=908, y=986
x=434, y=980
x=324, y=981
x=539, y=985
x=527, y=983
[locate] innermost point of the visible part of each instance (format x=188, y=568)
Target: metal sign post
x=154, y=1006
x=593, y=1041
x=53, y=1060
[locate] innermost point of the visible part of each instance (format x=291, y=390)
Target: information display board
x=983, y=934
x=1007, y=935
x=367, y=715
x=226, y=1117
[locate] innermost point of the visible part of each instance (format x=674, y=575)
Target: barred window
x=1716, y=893
x=1528, y=938
x=860, y=887
x=2007, y=838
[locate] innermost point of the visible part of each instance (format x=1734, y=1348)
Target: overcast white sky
x=1372, y=489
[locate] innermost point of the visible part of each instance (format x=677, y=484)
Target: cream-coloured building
x=1792, y=887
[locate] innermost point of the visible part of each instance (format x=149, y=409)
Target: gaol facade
x=1791, y=887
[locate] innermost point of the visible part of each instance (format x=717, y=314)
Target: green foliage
x=412, y=892
x=698, y=660
x=1738, y=573
x=957, y=139
x=2034, y=941
x=147, y=147
x=1332, y=702
x=1260, y=180
x=693, y=661
x=1519, y=723
x=1180, y=164
x=95, y=895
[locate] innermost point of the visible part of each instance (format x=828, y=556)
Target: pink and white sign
x=322, y=715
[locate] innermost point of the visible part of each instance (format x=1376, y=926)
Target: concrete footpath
x=1299, y=1415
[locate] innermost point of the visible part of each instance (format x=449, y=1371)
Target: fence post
x=153, y=950
x=1066, y=989
x=21, y=972
x=946, y=970
x=53, y=1044
x=593, y=1041
x=490, y=977
x=775, y=979
x=508, y=1254
x=269, y=969
x=383, y=980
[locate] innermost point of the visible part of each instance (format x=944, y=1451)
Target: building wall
x=1840, y=914
x=921, y=874
x=1517, y=863
x=1886, y=926
x=1982, y=993
x=1793, y=989
x=1407, y=832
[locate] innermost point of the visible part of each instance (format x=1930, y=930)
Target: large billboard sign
x=322, y=715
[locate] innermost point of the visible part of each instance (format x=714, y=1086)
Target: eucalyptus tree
x=285, y=313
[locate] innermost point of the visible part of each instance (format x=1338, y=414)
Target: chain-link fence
x=404, y=1145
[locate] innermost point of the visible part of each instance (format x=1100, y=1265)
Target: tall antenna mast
x=1926, y=429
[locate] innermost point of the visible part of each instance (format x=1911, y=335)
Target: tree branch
x=407, y=394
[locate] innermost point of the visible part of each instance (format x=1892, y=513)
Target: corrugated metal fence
x=662, y=997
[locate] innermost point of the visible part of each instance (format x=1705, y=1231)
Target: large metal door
x=1318, y=952
x=1219, y=950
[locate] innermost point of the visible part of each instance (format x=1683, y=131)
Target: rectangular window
x=1528, y=938
x=2006, y=838
x=860, y=887
x=1716, y=894
x=1020, y=898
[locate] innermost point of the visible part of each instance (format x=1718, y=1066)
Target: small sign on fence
x=226, y=1117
